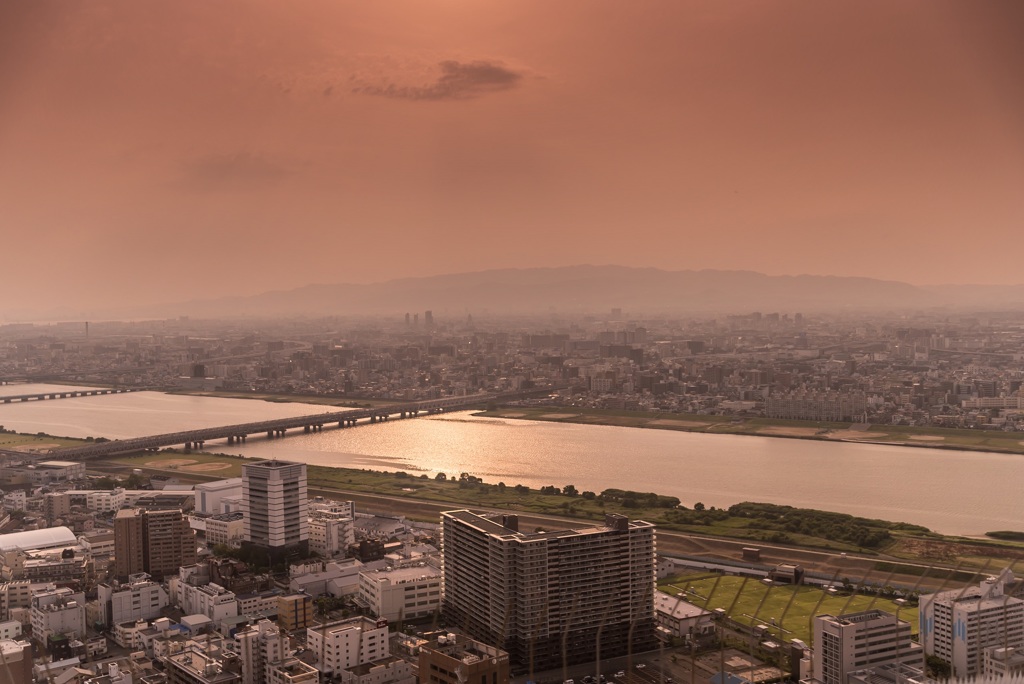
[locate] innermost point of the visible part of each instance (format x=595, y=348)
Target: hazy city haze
x=156, y=152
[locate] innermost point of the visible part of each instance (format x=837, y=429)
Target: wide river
x=954, y=492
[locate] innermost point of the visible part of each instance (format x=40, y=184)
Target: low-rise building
x=260, y=604
x=17, y=660
x=401, y=593
x=1002, y=663
x=294, y=611
x=58, y=612
x=337, y=578
x=137, y=599
x=195, y=665
x=680, y=619
x=15, y=500
x=457, y=659
x=389, y=670
x=209, y=495
x=10, y=629
x=225, y=528
x=348, y=643
x=104, y=501
x=291, y=671
x=211, y=600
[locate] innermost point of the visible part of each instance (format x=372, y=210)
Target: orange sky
x=160, y=151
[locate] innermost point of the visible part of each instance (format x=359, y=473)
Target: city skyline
x=167, y=152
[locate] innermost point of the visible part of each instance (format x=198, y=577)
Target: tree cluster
x=824, y=524
x=631, y=499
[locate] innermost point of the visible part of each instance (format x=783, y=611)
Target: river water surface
x=954, y=492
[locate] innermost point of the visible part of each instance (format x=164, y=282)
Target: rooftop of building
x=464, y=648
x=676, y=607
x=360, y=623
x=272, y=463
x=46, y=538
x=403, y=575
x=856, y=618
x=365, y=668
x=228, y=517
x=202, y=665
x=488, y=525
x=227, y=483
x=294, y=668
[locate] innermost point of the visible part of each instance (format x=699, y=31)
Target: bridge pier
x=270, y=434
x=231, y=439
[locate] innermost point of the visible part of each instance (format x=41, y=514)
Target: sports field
x=785, y=609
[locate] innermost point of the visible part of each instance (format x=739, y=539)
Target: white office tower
x=959, y=625
x=275, y=506
x=859, y=641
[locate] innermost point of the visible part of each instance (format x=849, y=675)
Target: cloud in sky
x=458, y=81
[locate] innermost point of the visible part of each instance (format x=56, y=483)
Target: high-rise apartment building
x=127, y=543
x=550, y=598
x=154, y=542
x=959, y=625
x=275, y=505
x=859, y=641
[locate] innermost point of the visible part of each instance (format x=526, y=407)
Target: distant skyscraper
x=428, y=319
x=550, y=598
x=275, y=505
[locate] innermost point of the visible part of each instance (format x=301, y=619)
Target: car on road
x=620, y=674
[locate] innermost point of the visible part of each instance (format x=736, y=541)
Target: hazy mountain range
x=590, y=289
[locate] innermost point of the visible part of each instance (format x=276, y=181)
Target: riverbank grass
x=41, y=442
x=933, y=437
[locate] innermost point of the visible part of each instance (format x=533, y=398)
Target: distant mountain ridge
x=592, y=289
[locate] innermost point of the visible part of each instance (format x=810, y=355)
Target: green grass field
x=15, y=442
x=791, y=607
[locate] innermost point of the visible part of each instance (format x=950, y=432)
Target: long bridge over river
x=68, y=394
x=278, y=427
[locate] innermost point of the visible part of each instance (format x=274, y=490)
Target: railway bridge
x=279, y=427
